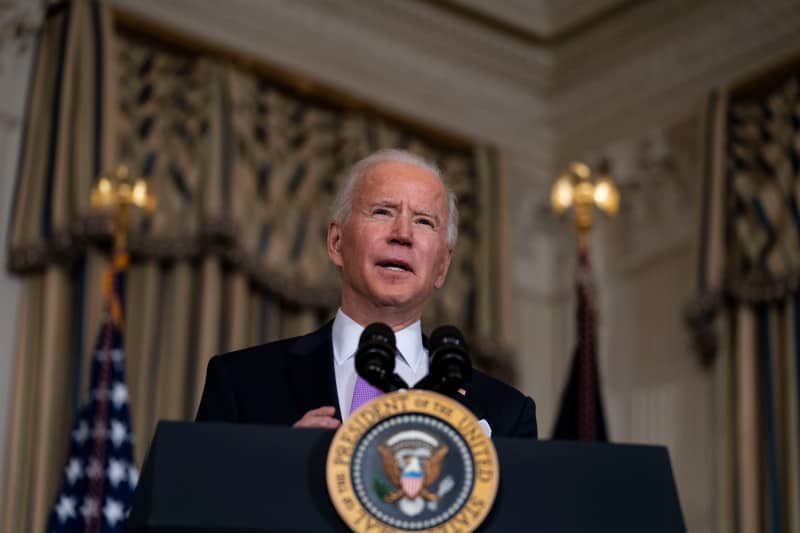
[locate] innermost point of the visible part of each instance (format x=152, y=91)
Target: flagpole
x=579, y=189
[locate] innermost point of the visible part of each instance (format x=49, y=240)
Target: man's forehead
x=400, y=178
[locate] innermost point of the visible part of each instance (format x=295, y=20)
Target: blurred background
x=242, y=115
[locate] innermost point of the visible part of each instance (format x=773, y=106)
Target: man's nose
x=401, y=230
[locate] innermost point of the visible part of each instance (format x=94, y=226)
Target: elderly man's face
x=392, y=250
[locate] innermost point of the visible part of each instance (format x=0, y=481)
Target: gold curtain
x=60, y=155
x=747, y=319
x=244, y=170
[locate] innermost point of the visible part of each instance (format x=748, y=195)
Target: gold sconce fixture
x=116, y=194
x=579, y=188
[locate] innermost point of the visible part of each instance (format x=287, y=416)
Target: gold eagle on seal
x=410, y=476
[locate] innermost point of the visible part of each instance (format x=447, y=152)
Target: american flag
x=100, y=475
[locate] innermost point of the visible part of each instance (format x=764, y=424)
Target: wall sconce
x=582, y=189
x=116, y=194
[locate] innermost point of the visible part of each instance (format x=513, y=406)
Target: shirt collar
x=347, y=331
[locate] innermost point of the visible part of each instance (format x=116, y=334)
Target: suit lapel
x=311, y=376
x=466, y=400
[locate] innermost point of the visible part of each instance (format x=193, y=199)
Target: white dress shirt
x=411, y=364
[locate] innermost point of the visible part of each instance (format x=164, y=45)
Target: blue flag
x=100, y=475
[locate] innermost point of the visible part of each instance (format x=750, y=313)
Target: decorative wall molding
x=19, y=24
x=657, y=173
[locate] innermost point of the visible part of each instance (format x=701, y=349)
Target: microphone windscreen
x=449, y=335
x=377, y=332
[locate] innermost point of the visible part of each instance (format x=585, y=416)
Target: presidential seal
x=412, y=461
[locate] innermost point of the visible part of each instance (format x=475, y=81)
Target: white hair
x=343, y=202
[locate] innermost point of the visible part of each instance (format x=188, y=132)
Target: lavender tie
x=363, y=393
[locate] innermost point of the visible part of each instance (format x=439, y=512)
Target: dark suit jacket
x=278, y=382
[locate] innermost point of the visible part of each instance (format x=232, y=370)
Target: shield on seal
x=411, y=483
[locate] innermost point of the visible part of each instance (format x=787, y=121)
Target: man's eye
x=426, y=221
x=380, y=211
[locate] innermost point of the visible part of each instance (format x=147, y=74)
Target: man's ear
x=443, y=272
x=335, y=244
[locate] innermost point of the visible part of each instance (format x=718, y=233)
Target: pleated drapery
x=747, y=319
x=244, y=169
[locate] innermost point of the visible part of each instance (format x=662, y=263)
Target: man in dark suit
x=391, y=238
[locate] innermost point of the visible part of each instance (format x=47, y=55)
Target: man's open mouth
x=397, y=266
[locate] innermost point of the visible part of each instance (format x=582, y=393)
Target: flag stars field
x=81, y=433
x=65, y=509
x=117, y=357
x=74, y=470
x=117, y=472
x=99, y=474
x=118, y=433
x=119, y=394
x=113, y=511
x=133, y=476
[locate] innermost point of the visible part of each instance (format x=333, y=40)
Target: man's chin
x=393, y=297
x=396, y=300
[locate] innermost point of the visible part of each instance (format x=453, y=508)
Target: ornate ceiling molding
x=660, y=59
x=538, y=20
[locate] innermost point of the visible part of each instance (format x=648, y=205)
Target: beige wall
x=15, y=62
x=655, y=391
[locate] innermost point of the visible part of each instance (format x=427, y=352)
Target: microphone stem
x=396, y=383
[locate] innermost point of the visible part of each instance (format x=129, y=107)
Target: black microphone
x=450, y=365
x=375, y=358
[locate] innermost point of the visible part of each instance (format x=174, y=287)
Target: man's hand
x=321, y=418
